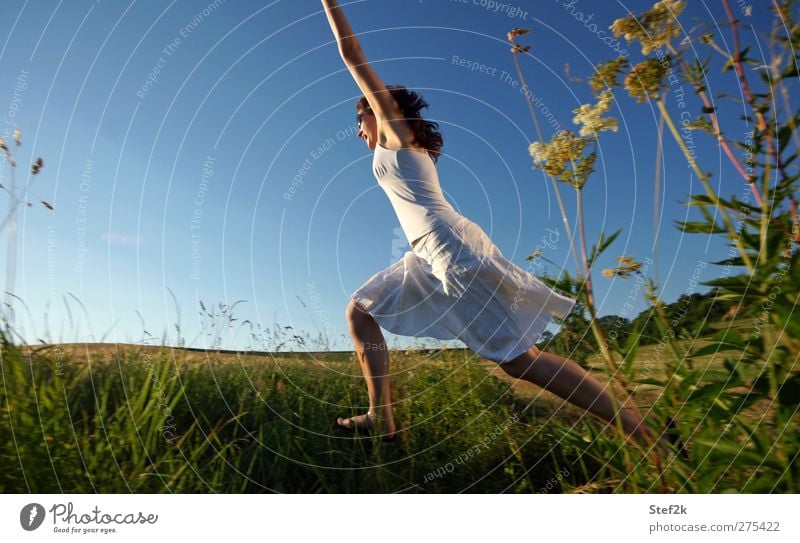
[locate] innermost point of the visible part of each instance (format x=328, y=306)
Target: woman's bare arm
x=381, y=102
x=345, y=39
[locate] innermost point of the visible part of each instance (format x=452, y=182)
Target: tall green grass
x=149, y=421
x=739, y=419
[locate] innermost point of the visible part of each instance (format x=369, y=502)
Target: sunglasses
x=360, y=118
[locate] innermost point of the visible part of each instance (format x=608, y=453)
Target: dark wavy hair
x=426, y=133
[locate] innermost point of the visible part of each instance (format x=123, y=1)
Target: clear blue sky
x=170, y=134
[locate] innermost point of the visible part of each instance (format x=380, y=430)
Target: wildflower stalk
x=539, y=134
x=777, y=76
x=724, y=142
x=796, y=138
x=717, y=131
x=657, y=191
x=597, y=331
x=656, y=28
x=704, y=180
x=11, y=250
x=762, y=125
x=610, y=366
x=11, y=217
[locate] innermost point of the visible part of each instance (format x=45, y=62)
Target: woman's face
x=368, y=128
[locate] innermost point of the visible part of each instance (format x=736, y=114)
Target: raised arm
x=381, y=102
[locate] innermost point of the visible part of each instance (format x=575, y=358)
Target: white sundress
x=455, y=284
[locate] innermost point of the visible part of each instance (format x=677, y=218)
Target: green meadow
x=719, y=369
x=124, y=418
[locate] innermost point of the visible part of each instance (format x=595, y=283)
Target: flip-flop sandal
x=672, y=435
x=356, y=429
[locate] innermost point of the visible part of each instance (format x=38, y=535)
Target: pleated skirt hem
x=455, y=284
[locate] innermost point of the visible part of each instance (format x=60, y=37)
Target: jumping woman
x=454, y=283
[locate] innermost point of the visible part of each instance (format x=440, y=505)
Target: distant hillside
x=690, y=316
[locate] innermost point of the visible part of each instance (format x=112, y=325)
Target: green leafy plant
x=739, y=416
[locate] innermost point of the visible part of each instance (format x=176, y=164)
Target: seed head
x=654, y=28
x=605, y=75
x=590, y=117
x=646, y=79
x=627, y=267
x=516, y=32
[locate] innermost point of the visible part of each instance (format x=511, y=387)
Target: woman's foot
x=365, y=423
x=669, y=441
x=672, y=436
x=639, y=432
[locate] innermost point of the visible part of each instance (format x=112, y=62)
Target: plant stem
x=11, y=249
x=792, y=124
x=704, y=180
x=766, y=212
x=553, y=181
x=657, y=192
x=723, y=142
x=596, y=329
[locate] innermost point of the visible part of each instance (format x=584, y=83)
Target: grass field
x=123, y=418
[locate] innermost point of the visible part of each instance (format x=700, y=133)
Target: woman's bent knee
x=517, y=367
x=356, y=315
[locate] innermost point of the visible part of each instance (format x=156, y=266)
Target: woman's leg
x=568, y=380
x=373, y=355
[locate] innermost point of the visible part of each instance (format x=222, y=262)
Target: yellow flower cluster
x=627, y=267
x=654, y=28
x=563, y=156
x=563, y=151
x=605, y=75
x=646, y=78
x=591, y=119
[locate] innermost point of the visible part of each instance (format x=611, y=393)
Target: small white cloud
x=121, y=239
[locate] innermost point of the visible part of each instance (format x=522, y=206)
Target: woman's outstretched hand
x=345, y=38
x=390, y=119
